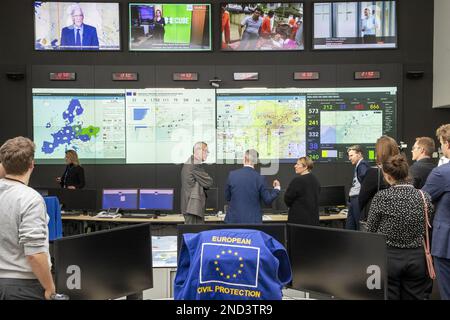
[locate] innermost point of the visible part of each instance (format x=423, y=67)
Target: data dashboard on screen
x=286, y=124
x=355, y=25
x=164, y=124
x=170, y=27
x=123, y=126
x=76, y=26
x=133, y=126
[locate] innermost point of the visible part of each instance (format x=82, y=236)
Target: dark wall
x=415, y=52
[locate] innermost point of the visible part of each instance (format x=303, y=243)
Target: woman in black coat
x=373, y=182
x=73, y=177
x=302, y=195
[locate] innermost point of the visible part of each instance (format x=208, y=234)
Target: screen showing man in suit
x=79, y=35
x=76, y=26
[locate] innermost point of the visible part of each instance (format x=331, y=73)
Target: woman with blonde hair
x=73, y=177
x=302, y=194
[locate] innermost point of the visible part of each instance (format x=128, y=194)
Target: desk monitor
x=276, y=230
x=156, y=199
x=75, y=199
x=332, y=196
x=120, y=198
x=340, y=263
x=212, y=200
x=278, y=205
x=105, y=264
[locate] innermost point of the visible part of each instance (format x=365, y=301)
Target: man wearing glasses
x=422, y=152
x=194, y=181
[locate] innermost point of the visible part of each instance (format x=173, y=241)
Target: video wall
x=249, y=26
x=131, y=126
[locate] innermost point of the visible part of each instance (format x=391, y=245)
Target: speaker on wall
x=414, y=74
x=15, y=76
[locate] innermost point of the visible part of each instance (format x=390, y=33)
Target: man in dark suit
x=79, y=36
x=438, y=187
x=194, y=181
x=355, y=156
x=422, y=152
x=244, y=191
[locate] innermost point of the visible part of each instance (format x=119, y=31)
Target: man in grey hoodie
x=24, y=255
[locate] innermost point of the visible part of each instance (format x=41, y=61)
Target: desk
x=166, y=225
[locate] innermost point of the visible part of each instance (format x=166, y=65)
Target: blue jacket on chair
x=231, y=264
x=244, y=190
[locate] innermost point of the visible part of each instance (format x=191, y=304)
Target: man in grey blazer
x=194, y=181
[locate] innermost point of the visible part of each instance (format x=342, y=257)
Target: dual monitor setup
x=138, y=200
x=269, y=26
x=332, y=199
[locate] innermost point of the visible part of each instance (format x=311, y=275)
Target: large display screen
x=286, y=124
x=355, y=25
x=164, y=124
x=92, y=122
x=170, y=27
x=123, y=126
x=76, y=26
x=161, y=125
x=262, y=26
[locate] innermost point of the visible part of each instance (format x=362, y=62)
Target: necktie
x=78, y=39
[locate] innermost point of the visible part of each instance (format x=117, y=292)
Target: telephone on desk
x=111, y=213
x=326, y=211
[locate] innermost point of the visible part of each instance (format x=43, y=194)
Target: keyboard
x=138, y=215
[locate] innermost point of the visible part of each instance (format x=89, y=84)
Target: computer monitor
x=105, y=264
x=332, y=196
x=212, y=200
x=276, y=230
x=75, y=199
x=120, y=199
x=278, y=205
x=343, y=264
x=156, y=199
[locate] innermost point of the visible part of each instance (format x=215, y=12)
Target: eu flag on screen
x=229, y=264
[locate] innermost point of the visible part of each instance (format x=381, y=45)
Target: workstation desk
x=166, y=225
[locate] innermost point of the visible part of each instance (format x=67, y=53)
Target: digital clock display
x=63, y=76
x=245, y=76
x=125, y=76
x=367, y=75
x=308, y=75
x=185, y=76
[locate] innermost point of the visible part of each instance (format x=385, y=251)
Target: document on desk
x=266, y=218
x=109, y=216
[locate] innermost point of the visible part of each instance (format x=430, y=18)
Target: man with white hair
x=244, y=191
x=79, y=36
x=194, y=181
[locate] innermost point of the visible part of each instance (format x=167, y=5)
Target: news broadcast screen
x=355, y=25
x=170, y=27
x=76, y=26
x=262, y=26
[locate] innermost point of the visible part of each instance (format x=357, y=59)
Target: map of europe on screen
x=91, y=123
